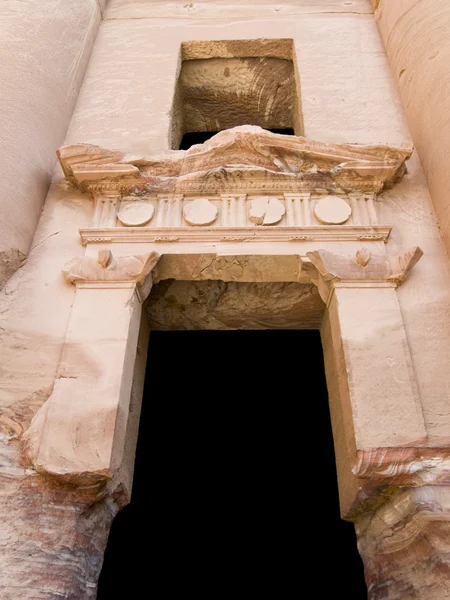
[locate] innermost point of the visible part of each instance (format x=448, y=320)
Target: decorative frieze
x=105, y=209
x=243, y=182
x=235, y=210
x=215, y=218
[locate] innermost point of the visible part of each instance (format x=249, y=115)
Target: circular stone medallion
x=200, y=212
x=136, y=214
x=332, y=210
x=266, y=210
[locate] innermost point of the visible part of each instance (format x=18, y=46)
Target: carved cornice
x=242, y=158
x=361, y=270
x=106, y=269
x=235, y=234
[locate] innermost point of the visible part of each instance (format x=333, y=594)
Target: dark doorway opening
x=235, y=489
x=198, y=137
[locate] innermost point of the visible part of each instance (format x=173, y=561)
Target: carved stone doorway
x=225, y=474
x=250, y=208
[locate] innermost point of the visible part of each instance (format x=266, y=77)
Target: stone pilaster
x=392, y=484
x=79, y=434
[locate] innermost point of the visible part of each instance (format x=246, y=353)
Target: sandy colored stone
x=218, y=93
x=53, y=538
x=263, y=158
x=200, y=212
x=136, y=214
x=374, y=343
x=79, y=434
x=107, y=268
x=406, y=544
x=230, y=305
x=10, y=261
x=266, y=210
x=415, y=35
x=46, y=48
x=332, y=210
x=215, y=9
x=251, y=268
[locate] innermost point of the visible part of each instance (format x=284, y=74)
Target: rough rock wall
x=222, y=305
x=416, y=37
x=52, y=539
x=45, y=46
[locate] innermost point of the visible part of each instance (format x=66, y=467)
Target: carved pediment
x=243, y=157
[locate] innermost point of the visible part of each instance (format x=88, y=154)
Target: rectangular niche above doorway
x=223, y=84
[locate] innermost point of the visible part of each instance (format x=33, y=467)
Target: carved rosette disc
x=200, y=212
x=266, y=210
x=332, y=210
x=136, y=214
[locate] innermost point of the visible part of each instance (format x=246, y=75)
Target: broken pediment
x=242, y=158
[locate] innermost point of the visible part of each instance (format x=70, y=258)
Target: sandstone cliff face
x=46, y=49
x=54, y=533
x=52, y=539
x=419, y=63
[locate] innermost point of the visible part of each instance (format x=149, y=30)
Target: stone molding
x=108, y=271
x=328, y=233
x=106, y=268
x=306, y=190
x=364, y=269
x=242, y=157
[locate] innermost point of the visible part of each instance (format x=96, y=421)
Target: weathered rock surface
x=218, y=93
x=240, y=152
x=231, y=305
x=405, y=545
x=415, y=35
x=45, y=48
x=52, y=538
x=10, y=261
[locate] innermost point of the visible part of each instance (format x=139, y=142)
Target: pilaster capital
x=109, y=271
x=364, y=269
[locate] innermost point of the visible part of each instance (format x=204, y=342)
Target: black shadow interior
x=235, y=491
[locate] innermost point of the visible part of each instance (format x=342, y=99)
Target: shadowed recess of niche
x=220, y=305
x=224, y=84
